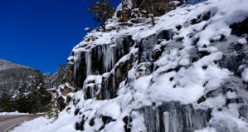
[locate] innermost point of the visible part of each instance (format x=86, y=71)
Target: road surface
x=9, y=122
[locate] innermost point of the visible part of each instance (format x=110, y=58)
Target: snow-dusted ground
x=12, y=113
x=187, y=85
x=32, y=126
x=42, y=124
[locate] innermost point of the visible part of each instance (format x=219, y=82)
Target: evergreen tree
x=58, y=77
x=102, y=11
x=22, y=103
x=48, y=78
x=33, y=96
x=40, y=97
x=30, y=94
x=5, y=101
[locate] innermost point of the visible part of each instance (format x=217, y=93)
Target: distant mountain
x=5, y=65
x=13, y=75
x=22, y=89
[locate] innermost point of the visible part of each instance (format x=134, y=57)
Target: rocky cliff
x=187, y=73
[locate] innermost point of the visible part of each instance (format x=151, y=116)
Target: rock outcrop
x=138, y=10
x=186, y=73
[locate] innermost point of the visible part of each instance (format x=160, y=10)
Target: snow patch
x=12, y=113
x=245, y=75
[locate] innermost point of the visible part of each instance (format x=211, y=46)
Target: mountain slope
x=23, y=89
x=5, y=65
x=187, y=73
x=12, y=75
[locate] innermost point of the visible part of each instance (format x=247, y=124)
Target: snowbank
x=12, y=113
x=32, y=126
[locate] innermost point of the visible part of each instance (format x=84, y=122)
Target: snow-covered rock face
x=183, y=74
x=187, y=73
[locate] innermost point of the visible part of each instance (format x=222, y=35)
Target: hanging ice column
x=108, y=57
x=88, y=62
x=174, y=117
x=166, y=121
x=77, y=59
x=100, y=60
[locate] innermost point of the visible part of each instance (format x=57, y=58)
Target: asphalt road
x=9, y=122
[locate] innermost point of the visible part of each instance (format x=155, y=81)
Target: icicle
x=113, y=83
x=174, y=121
x=108, y=58
x=189, y=120
x=88, y=62
x=77, y=59
x=106, y=89
x=106, y=93
x=166, y=121
x=120, y=46
x=157, y=121
x=92, y=91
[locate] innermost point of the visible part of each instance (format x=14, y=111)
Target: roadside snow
x=33, y=125
x=42, y=124
x=12, y=113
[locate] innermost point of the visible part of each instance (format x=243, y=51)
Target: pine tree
x=32, y=95
x=58, y=77
x=102, y=11
x=5, y=101
x=39, y=94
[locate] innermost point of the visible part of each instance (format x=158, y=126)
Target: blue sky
x=41, y=33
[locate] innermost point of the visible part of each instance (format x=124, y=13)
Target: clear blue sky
x=41, y=33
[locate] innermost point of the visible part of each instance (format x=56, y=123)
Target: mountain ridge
x=13, y=75
x=5, y=65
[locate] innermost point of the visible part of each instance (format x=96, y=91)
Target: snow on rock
x=183, y=74
x=215, y=102
x=111, y=109
x=138, y=122
x=242, y=41
x=228, y=122
x=206, y=130
x=245, y=75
